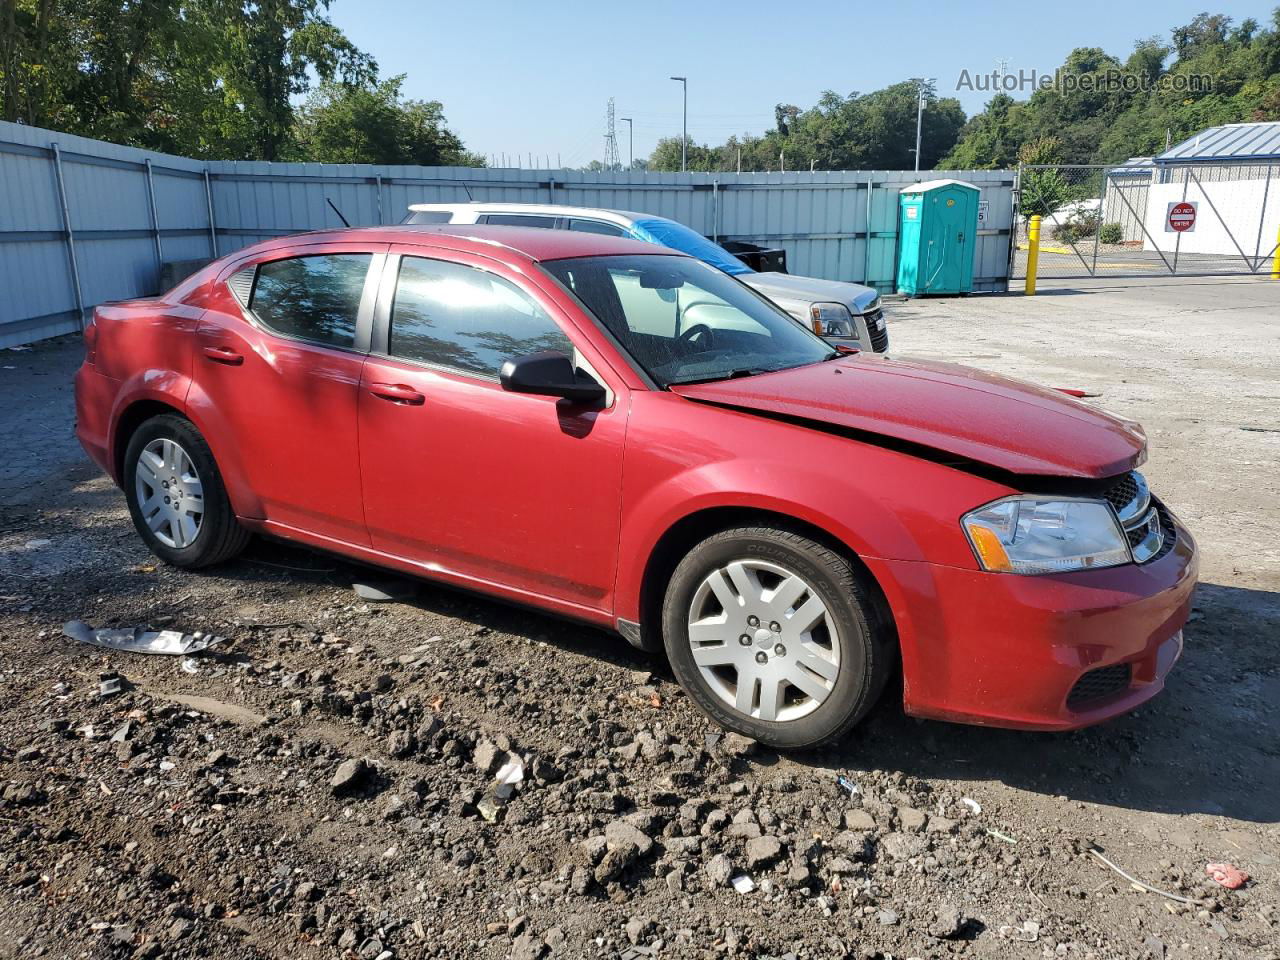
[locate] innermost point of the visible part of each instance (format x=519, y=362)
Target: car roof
x=509, y=244
x=546, y=209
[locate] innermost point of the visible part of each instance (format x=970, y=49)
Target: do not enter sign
x=1181, y=217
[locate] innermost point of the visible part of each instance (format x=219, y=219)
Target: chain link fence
x=1143, y=219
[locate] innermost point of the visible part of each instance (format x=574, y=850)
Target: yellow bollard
x=1033, y=254
x=1275, y=262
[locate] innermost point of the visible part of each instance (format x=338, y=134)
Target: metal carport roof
x=1231, y=141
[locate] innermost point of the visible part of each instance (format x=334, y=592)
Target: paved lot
x=214, y=830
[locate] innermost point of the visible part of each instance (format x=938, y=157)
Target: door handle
x=398, y=393
x=224, y=355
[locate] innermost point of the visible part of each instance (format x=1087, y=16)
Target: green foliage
x=875, y=131
x=1110, y=233
x=207, y=78
x=373, y=124
x=1110, y=124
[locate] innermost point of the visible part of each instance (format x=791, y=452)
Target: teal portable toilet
x=937, y=230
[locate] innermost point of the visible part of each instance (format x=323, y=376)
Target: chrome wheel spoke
x=724, y=655
x=807, y=683
x=763, y=640
x=772, y=694
x=785, y=595
x=745, y=697
x=811, y=613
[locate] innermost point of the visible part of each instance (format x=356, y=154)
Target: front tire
x=775, y=636
x=176, y=495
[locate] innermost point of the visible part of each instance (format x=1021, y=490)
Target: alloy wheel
x=763, y=640
x=169, y=492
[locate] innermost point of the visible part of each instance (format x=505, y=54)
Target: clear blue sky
x=535, y=77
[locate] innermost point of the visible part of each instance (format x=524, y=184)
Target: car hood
x=1003, y=423
x=811, y=290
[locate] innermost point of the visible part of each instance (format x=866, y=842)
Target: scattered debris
x=846, y=784
x=1231, y=877
x=138, y=640
x=389, y=590
x=512, y=771
x=972, y=804
x=743, y=884
x=1001, y=836
x=1136, y=882
x=109, y=684
x=1028, y=931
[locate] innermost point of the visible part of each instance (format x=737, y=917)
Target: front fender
x=684, y=457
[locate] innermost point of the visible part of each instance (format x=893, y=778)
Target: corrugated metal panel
x=820, y=219
x=1232, y=141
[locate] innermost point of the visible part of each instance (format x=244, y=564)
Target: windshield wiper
x=731, y=375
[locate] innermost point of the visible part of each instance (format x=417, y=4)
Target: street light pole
x=920, y=89
x=684, y=131
x=631, y=142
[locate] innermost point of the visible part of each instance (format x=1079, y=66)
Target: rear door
x=277, y=376
x=461, y=476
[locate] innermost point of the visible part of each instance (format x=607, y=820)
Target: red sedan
x=624, y=435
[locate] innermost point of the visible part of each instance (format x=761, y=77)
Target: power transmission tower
x=611, y=159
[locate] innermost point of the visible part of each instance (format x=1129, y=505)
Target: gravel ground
x=322, y=784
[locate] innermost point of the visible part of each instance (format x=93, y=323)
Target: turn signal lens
x=991, y=554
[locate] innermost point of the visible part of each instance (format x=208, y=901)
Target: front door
x=276, y=380
x=464, y=477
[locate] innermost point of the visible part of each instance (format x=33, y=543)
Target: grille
x=1147, y=526
x=1096, y=684
x=1123, y=492
x=877, y=330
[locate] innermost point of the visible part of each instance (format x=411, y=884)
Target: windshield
x=677, y=236
x=685, y=322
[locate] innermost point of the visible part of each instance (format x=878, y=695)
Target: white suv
x=848, y=314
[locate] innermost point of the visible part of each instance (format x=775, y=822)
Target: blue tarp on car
x=677, y=236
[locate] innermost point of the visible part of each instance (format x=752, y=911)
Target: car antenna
x=468, y=189
x=337, y=211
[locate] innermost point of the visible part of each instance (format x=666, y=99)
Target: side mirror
x=550, y=374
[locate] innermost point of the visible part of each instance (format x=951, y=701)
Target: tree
x=873, y=131
x=1219, y=74
x=373, y=124
x=202, y=78
x=1042, y=190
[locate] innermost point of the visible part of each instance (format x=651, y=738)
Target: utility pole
x=921, y=87
x=684, y=127
x=631, y=142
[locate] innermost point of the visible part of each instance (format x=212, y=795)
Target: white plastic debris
x=190, y=665
x=167, y=765
x=743, y=884
x=512, y=771
x=972, y=804
x=1028, y=932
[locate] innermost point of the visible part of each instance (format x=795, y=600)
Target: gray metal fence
x=82, y=221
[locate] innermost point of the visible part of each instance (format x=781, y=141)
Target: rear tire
x=176, y=496
x=776, y=637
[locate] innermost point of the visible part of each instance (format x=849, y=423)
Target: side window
x=313, y=298
x=455, y=316
x=597, y=226
x=518, y=220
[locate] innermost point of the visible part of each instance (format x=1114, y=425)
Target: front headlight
x=831, y=320
x=1039, y=535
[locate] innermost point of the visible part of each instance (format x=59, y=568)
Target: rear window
x=429, y=216
x=313, y=298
